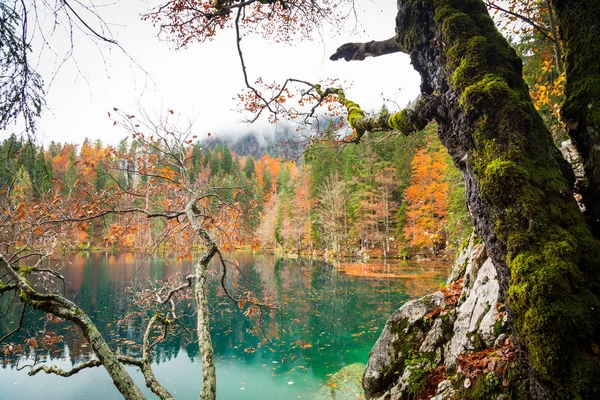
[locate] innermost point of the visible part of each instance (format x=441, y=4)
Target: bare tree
x=193, y=212
x=333, y=198
x=31, y=30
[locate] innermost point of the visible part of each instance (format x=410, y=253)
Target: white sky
x=201, y=81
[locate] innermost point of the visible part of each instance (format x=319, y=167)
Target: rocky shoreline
x=454, y=343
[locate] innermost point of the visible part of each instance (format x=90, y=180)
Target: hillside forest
x=386, y=197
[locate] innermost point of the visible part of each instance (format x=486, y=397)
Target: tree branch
x=171, y=292
x=64, y=308
x=360, y=51
x=542, y=30
x=57, y=371
x=18, y=328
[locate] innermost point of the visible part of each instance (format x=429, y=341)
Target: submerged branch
x=65, y=374
x=66, y=309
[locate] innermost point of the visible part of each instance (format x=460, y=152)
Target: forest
x=368, y=200
x=493, y=166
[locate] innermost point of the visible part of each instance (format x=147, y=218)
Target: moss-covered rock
x=343, y=385
x=402, y=336
x=422, y=340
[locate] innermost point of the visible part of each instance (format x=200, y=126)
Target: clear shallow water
x=330, y=317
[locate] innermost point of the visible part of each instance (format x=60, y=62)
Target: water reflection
x=330, y=317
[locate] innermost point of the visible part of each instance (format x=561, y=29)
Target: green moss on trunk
x=580, y=31
x=524, y=184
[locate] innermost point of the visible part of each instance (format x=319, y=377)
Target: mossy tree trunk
x=580, y=35
x=518, y=186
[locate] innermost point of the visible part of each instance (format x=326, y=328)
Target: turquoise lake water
x=328, y=316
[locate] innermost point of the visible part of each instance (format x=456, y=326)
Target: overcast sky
x=201, y=81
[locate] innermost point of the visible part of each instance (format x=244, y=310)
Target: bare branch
x=18, y=328
x=87, y=26
x=57, y=371
x=542, y=30
x=189, y=282
x=360, y=51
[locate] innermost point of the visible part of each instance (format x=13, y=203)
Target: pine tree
x=249, y=167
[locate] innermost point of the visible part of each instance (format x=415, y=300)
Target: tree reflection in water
x=329, y=317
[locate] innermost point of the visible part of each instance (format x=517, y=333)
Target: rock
x=475, y=261
x=444, y=391
x=461, y=262
x=433, y=338
x=476, y=316
x=343, y=385
x=411, y=346
x=500, y=340
x=402, y=332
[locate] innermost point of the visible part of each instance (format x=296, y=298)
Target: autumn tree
x=426, y=201
x=267, y=227
x=386, y=185
x=301, y=212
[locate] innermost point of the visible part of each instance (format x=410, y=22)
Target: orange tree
x=426, y=201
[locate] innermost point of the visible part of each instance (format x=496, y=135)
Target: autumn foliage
x=426, y=200
x=104, y=193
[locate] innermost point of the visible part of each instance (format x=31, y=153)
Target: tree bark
x=360, y=51
x=518, y=188
x=580, y=33
x=558, y=57
x=207, y=352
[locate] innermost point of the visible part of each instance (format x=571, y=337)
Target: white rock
x=476, y=315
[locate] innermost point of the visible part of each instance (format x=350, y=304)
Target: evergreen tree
x=249, y=167
x=226, y=160
x=268, y=180
x=196, y=162
x=42, y=174
x=213, y=161
x=9, y=151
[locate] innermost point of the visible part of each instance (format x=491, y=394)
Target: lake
x=328, y=316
